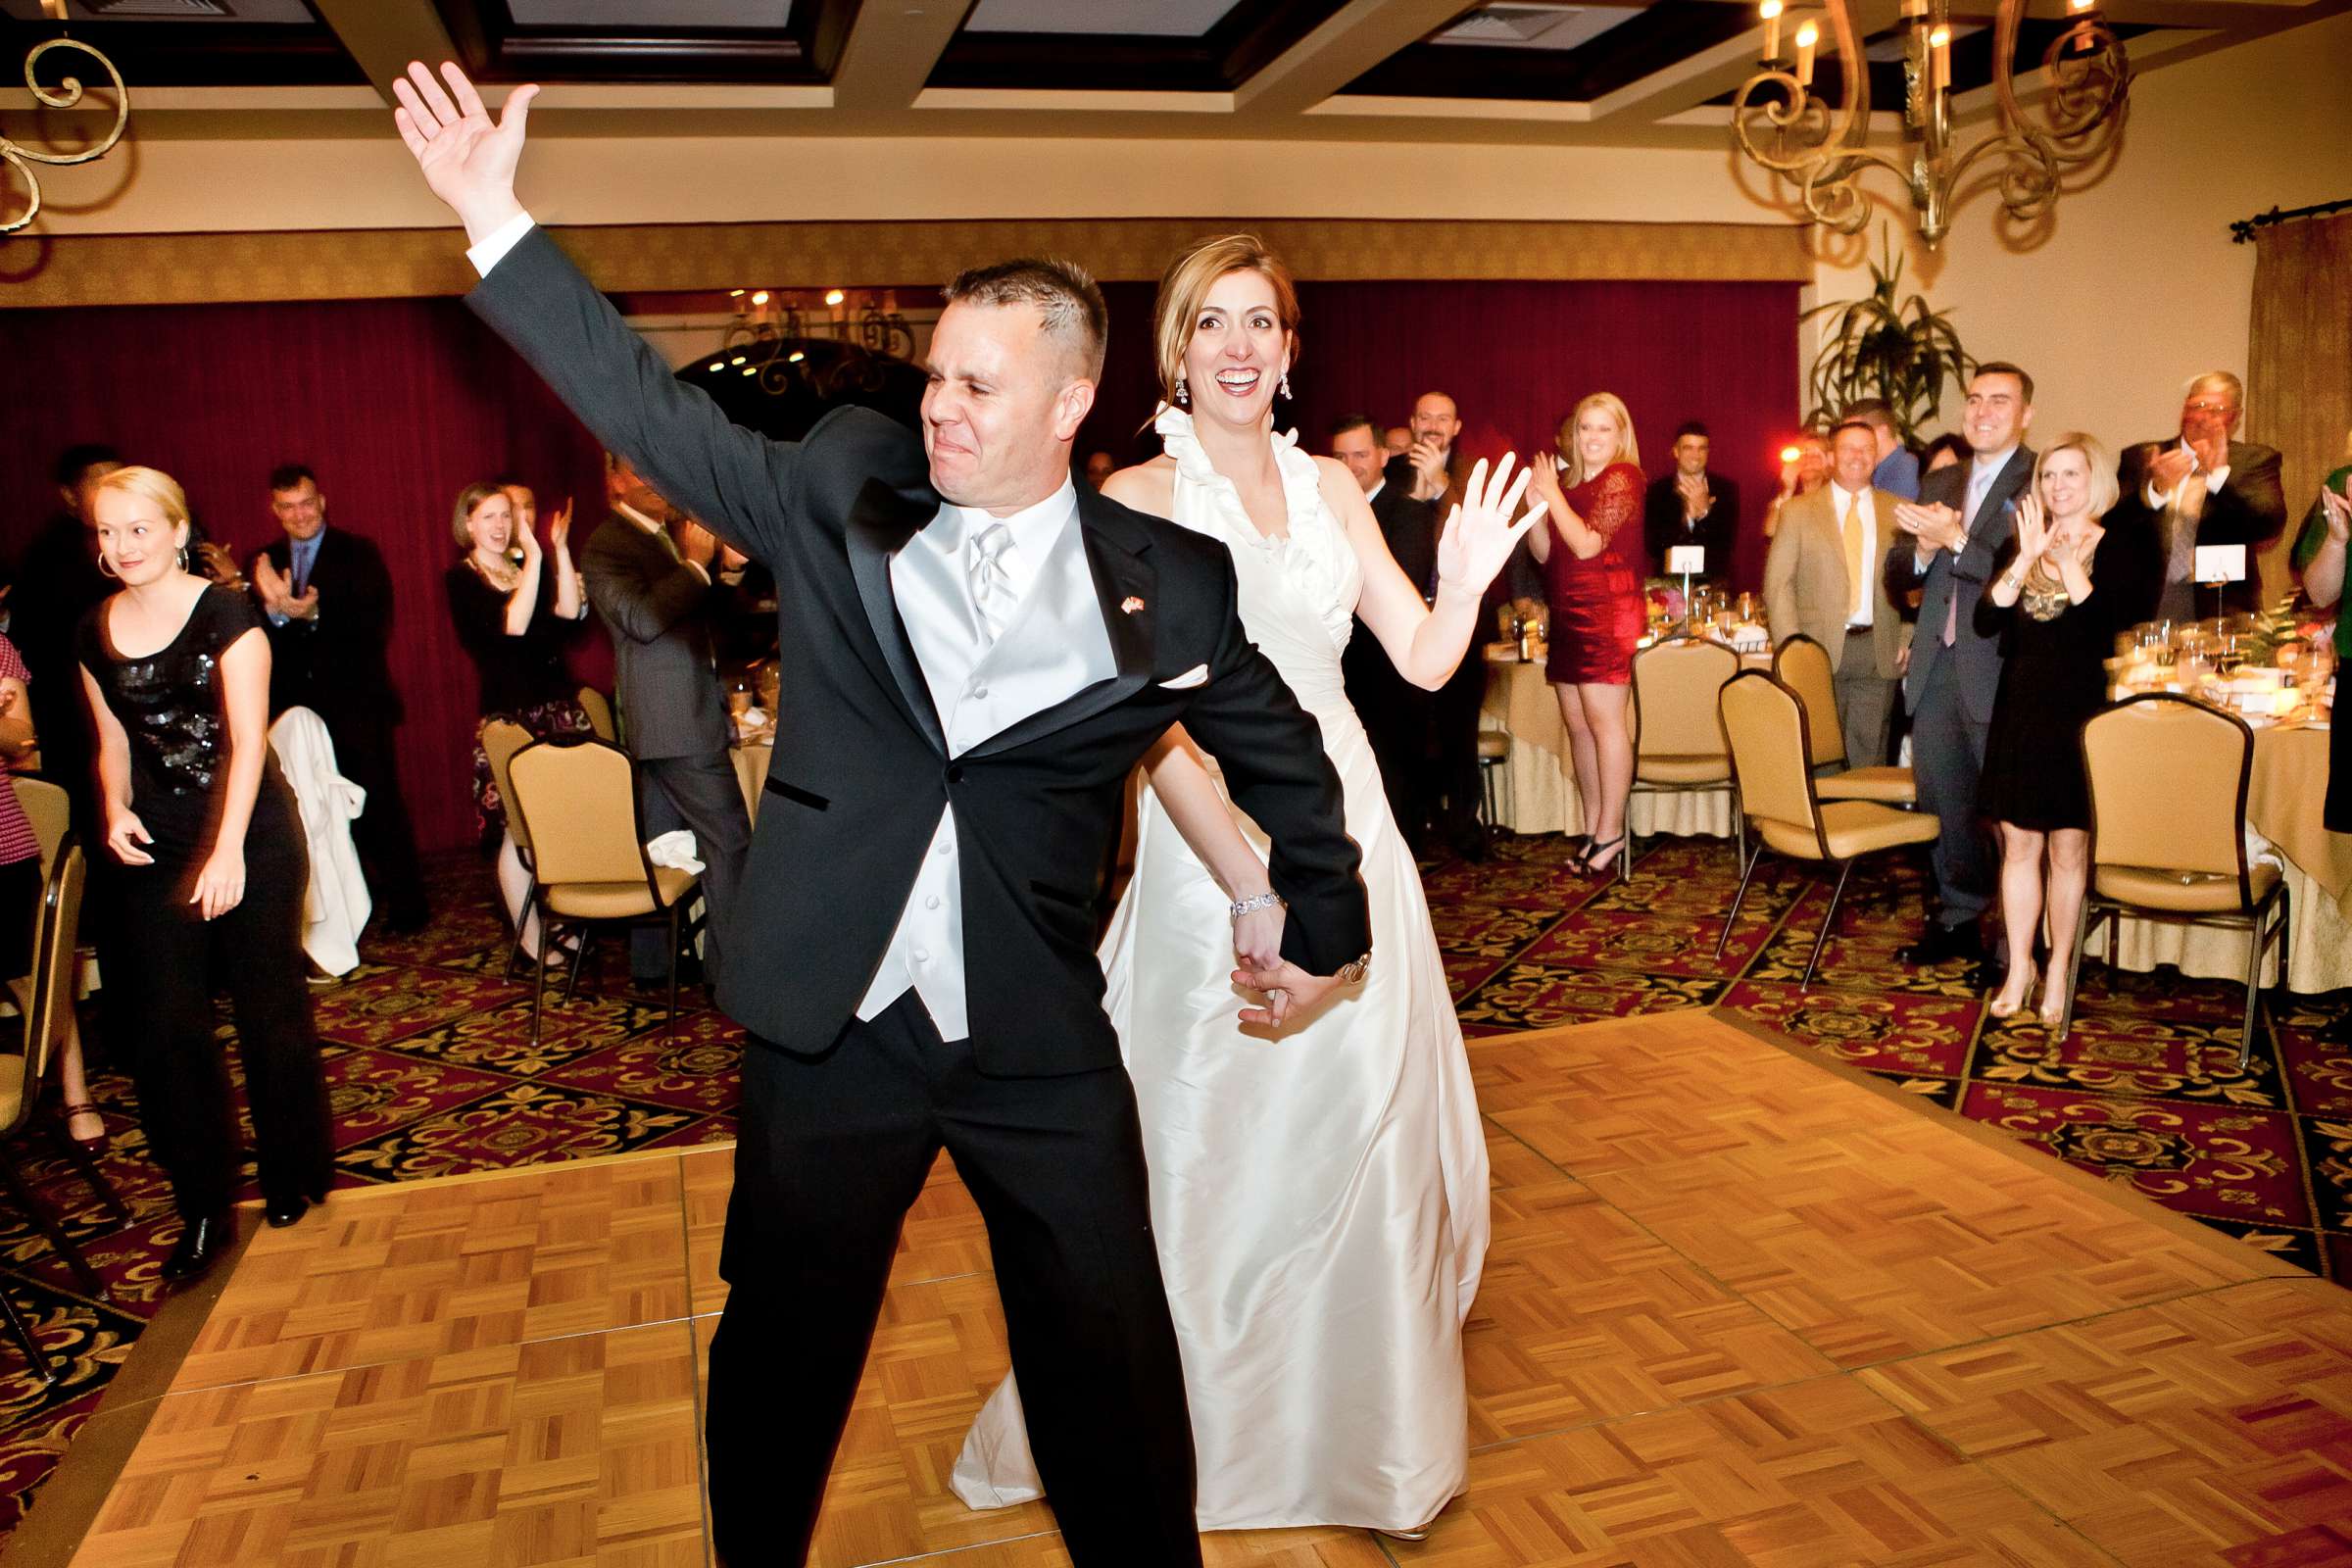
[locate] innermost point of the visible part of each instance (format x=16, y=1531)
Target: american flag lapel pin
x=1130, y=604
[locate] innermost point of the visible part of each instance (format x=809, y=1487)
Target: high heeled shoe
x=2052, y=1011
x=1997, y=1008
x=1594, y=863
x=75, y=1113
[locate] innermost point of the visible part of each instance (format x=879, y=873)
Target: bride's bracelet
x=1262, y=900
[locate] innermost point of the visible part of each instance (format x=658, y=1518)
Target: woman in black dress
x=2056, y=633
x=210, y=866
x=516, y=606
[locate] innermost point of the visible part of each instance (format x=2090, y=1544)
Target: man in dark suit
x=654, y=593
x=328, y=600
x=1964, y=516
x=1395, y=711
x=58, y=580
x=2204, y=488
x=1691, y=506
x=975, y=652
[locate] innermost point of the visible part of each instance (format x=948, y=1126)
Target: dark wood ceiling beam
x=1353, y=39
x=384, y=35
x=892, y=48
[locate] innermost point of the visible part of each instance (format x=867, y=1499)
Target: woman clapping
x=2063, y=588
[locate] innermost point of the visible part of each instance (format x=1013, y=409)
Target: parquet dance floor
x=1741, y=1306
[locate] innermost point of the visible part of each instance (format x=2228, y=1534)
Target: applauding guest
x=515, y=604
x=2320, y=557
x=1593, y=578
x=1801, y=475
x=2207, y=488
x=1826, y=577
x=1691, y=506
x=210, y=864
x=2055, y=631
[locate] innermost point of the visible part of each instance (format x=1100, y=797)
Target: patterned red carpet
x=433, y=1072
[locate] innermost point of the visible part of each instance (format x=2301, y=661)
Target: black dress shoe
x=1941, y=944
x=201, y=1240
x=281, y=1212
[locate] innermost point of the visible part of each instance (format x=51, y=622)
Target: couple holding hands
x=1251, y=1239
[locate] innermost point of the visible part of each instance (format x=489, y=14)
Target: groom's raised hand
x=469, y=160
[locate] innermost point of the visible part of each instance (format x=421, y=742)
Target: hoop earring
x=184, y=557
x=1184, y=395
x=107, y=571
x=1285, y=388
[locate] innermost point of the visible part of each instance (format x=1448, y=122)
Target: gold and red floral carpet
x=434, y=1071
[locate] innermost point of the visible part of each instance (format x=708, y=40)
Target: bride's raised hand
x=469, y=160
x=1480, y=535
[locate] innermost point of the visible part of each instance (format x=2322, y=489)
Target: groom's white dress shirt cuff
x=501, y=240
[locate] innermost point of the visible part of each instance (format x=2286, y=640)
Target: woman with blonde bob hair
x=1590, y=551
x=1318, y=1200
x=2062, y=587
x=211, y=867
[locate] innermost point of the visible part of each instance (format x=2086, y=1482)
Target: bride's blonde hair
x=1187, y=282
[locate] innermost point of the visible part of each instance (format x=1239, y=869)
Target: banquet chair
x=578, y=803
x=1803, y=666
x=2176, y=852
x=45, y=998
x=599, y=709
x=502, y=738
x=1764, y=722
x=1493, y=752
x=1678, y=740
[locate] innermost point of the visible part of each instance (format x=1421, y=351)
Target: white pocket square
x=1197, y=676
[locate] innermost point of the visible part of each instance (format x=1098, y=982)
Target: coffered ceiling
x=1506, y=71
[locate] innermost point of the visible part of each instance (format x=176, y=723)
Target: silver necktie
x=992, y=583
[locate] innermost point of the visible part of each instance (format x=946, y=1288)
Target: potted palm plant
x=1880, y=347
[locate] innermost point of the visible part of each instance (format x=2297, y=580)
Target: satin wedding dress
x=1319, y=1196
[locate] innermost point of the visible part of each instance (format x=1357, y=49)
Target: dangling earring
x=104, y=570
x=1183, y=398
x=1285, y=388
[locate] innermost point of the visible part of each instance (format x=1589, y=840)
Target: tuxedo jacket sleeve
x=2250, y=508
x=736, y=481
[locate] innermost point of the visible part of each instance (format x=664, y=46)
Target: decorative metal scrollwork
x=67, y=94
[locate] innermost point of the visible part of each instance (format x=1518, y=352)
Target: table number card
x=2219, y=564
x=1690, y=560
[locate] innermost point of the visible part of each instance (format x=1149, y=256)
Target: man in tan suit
x=1824, y=577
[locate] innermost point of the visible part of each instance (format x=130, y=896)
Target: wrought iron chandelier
x=16, y=160
x=1780, y=123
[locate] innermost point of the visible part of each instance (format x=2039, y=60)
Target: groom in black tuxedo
x=975, y=654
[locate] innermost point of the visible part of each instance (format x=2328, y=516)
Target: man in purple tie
x=1959, y=525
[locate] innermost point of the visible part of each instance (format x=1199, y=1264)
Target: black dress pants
x=186, y=1103
x=366, y=754
x=834, y=1150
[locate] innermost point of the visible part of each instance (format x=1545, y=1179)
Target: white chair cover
x=337, y=904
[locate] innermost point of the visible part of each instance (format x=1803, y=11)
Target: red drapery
x=398, y=404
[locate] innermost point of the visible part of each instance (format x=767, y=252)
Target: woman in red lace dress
x=1590, y=547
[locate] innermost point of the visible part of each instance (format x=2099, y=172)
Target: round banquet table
x=1537, y=794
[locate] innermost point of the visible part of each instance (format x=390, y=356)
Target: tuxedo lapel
x=1125, y=587
x=880, y=523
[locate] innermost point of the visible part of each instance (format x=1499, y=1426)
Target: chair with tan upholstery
x=1493, y=752
x=599, y=709
x=2167, y=833
x=1803, y=666
x=578, y=805
x=502, y=738
x=1678, y=740
x=1764, y=723
x=45, y=998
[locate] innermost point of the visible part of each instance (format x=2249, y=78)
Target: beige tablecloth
x=750, y=772
x=2282, y=803
x=1537, y=792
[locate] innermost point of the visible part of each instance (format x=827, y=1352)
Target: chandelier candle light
x=1781, y=125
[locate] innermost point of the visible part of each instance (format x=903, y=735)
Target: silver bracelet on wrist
x=1262, y=901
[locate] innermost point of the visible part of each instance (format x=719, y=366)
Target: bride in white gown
x=1318, y=1190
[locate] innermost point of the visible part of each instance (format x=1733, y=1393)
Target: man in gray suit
x=1964, y=517
x=653, y=591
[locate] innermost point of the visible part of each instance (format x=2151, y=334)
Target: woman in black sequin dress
x=211, y=867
